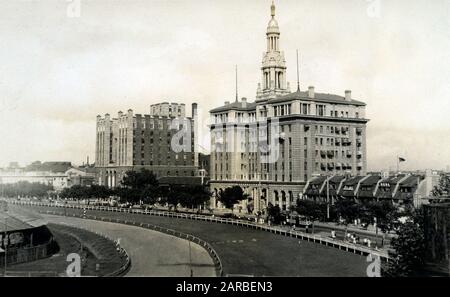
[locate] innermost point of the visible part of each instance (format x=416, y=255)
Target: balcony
x=330, y=154
x=330, y=166
x=345, y=141
x=323, y=154
x=359, y=165
x=338, y=165
x=349, y=154
x=322, y=166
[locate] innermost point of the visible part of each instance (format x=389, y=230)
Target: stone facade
x=132, y=142
x=317, y=134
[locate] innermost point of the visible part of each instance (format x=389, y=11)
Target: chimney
x=244, y=102
x=194, y=110
x=311, y=92
x=227, y=102
x=348, y=95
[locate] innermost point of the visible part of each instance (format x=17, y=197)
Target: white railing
x=297, y=234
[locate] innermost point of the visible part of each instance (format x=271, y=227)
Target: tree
x=382, y=213
x=96, y=191
x=174, y=196
x=139, y=179
x=312, y=210
x=442, y=189
x=386, y=215
x=198, y=196
x=186, y=196
x=348, y=211
x=274, y=213
x=138, y=186
x=230, y=196
x=409, y=250
x=24, y=188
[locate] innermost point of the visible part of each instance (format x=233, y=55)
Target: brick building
x=134, y=141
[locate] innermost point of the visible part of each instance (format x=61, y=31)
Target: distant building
x=131, y=142
x=82, y=176
x=60, y=175
x=318, y=134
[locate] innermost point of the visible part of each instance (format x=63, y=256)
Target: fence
x=26, y=254
x=122, y=252
x=349, y=247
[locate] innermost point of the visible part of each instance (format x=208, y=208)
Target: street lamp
x=5, y=240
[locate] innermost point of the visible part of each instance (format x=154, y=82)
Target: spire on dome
x=272, y=8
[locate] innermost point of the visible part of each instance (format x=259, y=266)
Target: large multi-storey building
x=317, y=134
x=134, y=141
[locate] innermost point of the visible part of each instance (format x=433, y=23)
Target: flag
x=400, y=159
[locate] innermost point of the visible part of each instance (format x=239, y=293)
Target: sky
x=63, y=62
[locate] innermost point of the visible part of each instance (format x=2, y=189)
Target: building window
x=320, y=109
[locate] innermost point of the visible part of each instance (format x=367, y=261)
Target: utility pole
x=298, y=75
x=236, y=69
x=328, y=198
x=190, y=259
x=259, y=193
x=6, y=246
x=398, y=165
x=6, y=240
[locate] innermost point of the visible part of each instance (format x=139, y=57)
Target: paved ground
x=246, y=251
x=152, y=253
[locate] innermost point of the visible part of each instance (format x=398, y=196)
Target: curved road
x=152, y=253
x=251, y=252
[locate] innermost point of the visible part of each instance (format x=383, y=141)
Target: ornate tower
x=273, y=70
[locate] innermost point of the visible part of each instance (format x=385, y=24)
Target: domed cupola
x=272, y=27
x=273, y=65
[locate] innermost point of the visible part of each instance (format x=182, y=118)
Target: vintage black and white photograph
x=224, y=139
